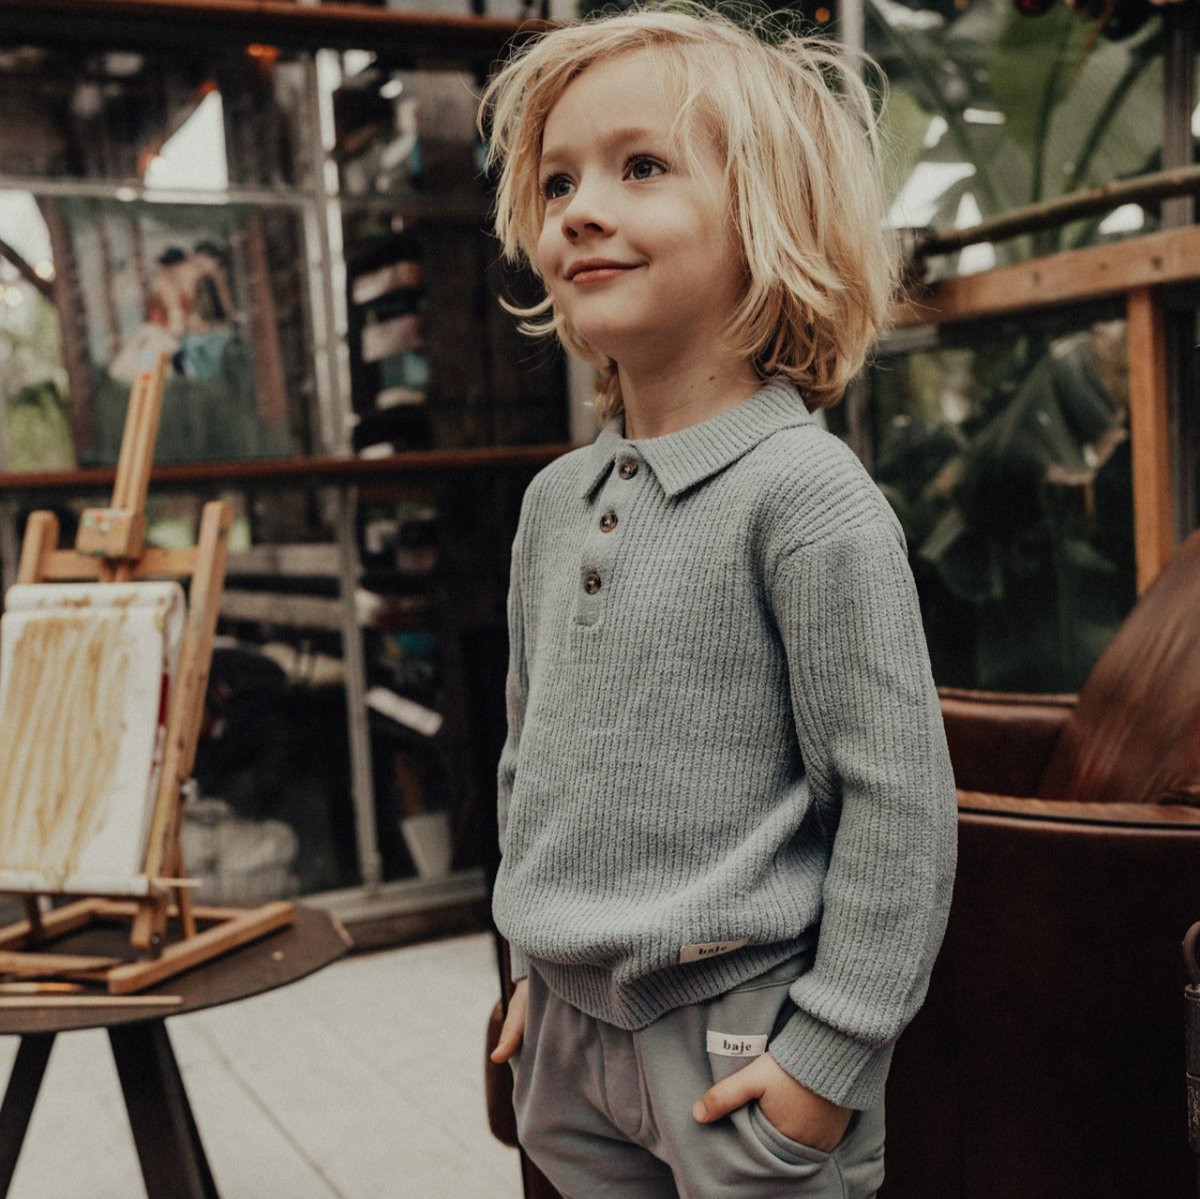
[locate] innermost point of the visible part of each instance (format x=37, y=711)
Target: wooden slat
x=123, y=909
x=62, y=566
x=45, y=1002
x=221, y=938
x=58, y=922
x=292, y=472
x=53, y=963
x=1166, y=816
x=1072, y=277
x=1154, y=535
x=288, y=611
x=312, y=560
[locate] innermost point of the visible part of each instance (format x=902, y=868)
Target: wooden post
x=187, y=706
x=1153, y=523
x=41, y=540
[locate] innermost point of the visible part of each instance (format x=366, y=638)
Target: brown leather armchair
x=1048, y=1059
x=1047, y=1062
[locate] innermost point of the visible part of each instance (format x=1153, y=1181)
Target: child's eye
x=554, y=187
x=641, y=167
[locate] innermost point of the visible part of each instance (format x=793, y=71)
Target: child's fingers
x=513, y=1029
x=509, y=1040
x=729, y=1094
x=505, y=1048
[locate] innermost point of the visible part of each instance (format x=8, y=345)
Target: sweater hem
x=634, y=1005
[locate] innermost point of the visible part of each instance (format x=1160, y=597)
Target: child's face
x=636, y=250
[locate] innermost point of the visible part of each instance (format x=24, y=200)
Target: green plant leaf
x=1029, y=72
x=1111, y=120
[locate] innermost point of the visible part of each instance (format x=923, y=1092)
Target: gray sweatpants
x=607, y=1114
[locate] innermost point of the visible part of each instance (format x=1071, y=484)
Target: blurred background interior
x=287, y=199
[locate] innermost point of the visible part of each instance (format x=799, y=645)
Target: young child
x=726, y=808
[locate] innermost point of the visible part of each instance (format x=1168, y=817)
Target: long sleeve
x=516, y=690
x=874, y=749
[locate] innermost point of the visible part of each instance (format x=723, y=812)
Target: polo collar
x=683, y=459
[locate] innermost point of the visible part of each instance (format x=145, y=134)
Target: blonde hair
x=797, y=130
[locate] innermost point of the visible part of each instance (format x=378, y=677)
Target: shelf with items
x=433, y=355
x=362, y=672
x=389, y=364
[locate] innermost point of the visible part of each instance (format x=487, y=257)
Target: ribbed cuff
x=831, y=1063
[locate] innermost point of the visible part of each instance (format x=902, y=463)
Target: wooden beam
x=1153, y=522
x=425, y=36
x=290, y=472
x=61, y=566
x=1071, y=277
x=1151, y=188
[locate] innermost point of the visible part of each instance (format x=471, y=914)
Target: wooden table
x=168, y=1144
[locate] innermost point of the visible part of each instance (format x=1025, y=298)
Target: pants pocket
x=789, y=1150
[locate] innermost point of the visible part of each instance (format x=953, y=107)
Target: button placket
x=601, y=544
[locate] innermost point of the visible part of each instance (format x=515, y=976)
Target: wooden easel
x=110, y=547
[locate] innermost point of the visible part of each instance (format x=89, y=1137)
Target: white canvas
x=84, y=672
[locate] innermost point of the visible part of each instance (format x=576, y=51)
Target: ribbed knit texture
x=722, y=725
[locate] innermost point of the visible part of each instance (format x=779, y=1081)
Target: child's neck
x=668, y=399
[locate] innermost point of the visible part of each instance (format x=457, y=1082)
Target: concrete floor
x=361, y=1082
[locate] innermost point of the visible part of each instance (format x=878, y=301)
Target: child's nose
x=587, y=214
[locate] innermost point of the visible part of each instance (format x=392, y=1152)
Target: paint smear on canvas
x=60, y=735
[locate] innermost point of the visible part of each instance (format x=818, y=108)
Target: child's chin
x=615, y=339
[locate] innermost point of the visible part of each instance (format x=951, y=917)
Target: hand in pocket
x=792, y=1109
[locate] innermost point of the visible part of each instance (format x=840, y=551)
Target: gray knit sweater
x=724, y=741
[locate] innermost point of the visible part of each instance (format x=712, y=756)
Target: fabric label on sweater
x=727, y=1044
x=710, y=949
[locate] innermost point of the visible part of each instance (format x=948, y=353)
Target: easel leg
x=33, y=913
x=164, y=1130
x=149, y=925
x=183, y=895
x=23, y=1086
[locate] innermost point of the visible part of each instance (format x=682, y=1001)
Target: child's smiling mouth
x=596, y=270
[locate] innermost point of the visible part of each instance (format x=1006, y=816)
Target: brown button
x=628, y=468
x=608, y=522
x=591, y=582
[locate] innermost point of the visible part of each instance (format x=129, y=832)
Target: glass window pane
x=1006, y=457
x=990, y=109
x=93, y=289
x=198, y=120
